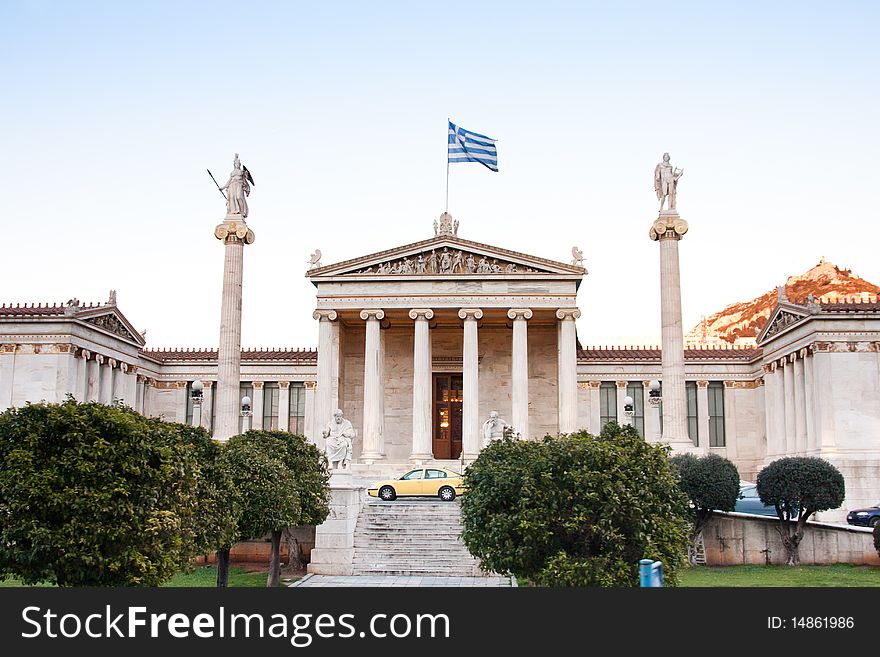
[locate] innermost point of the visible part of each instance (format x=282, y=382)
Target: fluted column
x=95, y=378
x=703, y=415
x=668, y=229
x=520, y=371
x=567, y=369
x=325, y=404
x=595, y=408
x=207, y=404
x=374, y=391
x=800, y=406
x=778, y=405
x=309, y=419
x=470, y=407
x=824, y=410
x=620, y=396
x=82, y=376
x=809, y=401
x=422, y=448
x=257, y=405
x=284, y=405
x=788, y=388
x=140, y=405
x=109, y=388
x=730, y=429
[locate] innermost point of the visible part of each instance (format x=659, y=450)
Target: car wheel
x=387, y=494
x=873, y=521
x=447, y=493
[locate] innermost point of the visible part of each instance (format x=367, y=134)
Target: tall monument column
x=234, y=233
x=668, y=229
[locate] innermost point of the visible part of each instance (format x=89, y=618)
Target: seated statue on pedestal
x=493, y=428
x=339, y=433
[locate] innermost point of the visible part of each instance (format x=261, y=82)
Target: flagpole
x=447, y=184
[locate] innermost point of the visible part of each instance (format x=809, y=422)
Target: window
x=270, y=406
x=297, y=411
x=693, y=424
x=716, y=414
x=245, y=389
x=636, y=390
x=410, y=476
x=607, y=403
x=435, y=474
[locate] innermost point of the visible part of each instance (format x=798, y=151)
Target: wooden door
x=447, y=415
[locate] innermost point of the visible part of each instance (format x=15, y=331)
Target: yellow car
x=428, y=482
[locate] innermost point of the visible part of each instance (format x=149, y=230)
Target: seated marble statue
x=493, y=428
x=339, y=433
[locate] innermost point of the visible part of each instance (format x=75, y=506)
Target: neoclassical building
x=418, y=343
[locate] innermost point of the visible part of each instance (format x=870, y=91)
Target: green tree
x=711, y=483
x=575, y=510
x=281, y=481
x=215, y=527
x=94, y=495
x=877, y=538
x=799, y=486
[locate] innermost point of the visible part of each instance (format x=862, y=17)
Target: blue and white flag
x=467, y=146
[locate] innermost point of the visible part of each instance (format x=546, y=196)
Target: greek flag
x=467, y=146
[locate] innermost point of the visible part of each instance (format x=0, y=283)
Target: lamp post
x=655, y=399
x=628, y=409
x=246, y=414
x=196, y=391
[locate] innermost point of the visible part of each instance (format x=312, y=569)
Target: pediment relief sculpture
x=782, y=321
x=445, y=261
x=111, y=323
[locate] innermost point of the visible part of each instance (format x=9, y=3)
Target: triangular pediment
x=108, y=318
x=445, y=256
x=783, y=317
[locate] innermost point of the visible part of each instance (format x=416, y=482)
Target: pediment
x=783, y=317
x=445, y=256
x=109, y=319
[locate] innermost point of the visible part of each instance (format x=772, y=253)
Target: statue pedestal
x=333, y=553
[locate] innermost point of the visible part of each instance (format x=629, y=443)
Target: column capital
x=421, y=313
x=208, y=384
x=99, y=359
x=782, y=361
x=124, y=368
x=668, y=226
x=112, y=362
x=803, y=353
x=472, y=314
x=519, y=313
x=730, y=384
x=310, y=385
x=85, y=354
x=140, y=378
x=258, y=385
x=766, y=369
x=284, y=385
x=568, y=314
x=324, y=314
x=792, y=357
x=702, y=384
x=180, y=384
x=373, y=313
x=595, y=384
x=773, y=366
x=622, y=384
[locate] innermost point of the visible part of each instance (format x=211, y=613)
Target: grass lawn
x=204, y=576
x=836, y=575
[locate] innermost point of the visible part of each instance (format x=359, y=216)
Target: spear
x=215, y=182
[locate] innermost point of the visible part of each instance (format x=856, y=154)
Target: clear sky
x=112, y=111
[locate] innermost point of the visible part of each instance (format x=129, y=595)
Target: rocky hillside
x=740, y=323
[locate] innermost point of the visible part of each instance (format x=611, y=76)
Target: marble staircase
x=411, y=537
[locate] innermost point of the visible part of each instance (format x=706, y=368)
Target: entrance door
x=447, y=416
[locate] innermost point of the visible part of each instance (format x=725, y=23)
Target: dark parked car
x=749, y=502
x=867, y=517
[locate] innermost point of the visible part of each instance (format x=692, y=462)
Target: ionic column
x=140, y=405
x=470, y=407
x=567, y=369
x=108, y=381
x=95, y=378
x=824, y=409
x=652, y=416
x=621, y=395
x=788, y=387
x=120, y=384
x=182, y=392
x=703, y=415
x=325, y=403
x=257, y=405
x=809, y=400
x=778, y=405
x=731, y=441
x=82, y=376
x=668, y=229
x=284, y=405
x=595, y=410
x=374, y=391
x=800, y=406
x=207, y=404
x=520, y=371
x=309, y=419
x=422, y=447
